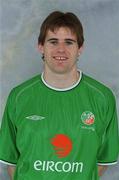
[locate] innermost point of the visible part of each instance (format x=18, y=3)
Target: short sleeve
x=8, y=149
x=108, y=151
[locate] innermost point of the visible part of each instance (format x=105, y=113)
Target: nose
x=61, y=47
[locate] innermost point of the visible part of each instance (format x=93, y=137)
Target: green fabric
x=61, y=135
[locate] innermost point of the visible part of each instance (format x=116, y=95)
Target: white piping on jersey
x=94, y=87
x=105, y=164
x=63, y=89
x=26, y=88
x=7, y=163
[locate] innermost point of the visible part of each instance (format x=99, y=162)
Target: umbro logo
x=35, y=117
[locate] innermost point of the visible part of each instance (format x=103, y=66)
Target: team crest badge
x=88, y=118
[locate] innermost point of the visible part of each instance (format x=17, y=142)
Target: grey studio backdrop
x=20, y=60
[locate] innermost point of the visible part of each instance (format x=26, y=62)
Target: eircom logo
x=62, y=145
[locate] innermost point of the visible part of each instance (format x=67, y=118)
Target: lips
x=60, y=58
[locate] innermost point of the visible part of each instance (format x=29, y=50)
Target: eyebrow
x=68, y=39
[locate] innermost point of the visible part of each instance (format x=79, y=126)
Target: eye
x=53, y=42
x=69, y=42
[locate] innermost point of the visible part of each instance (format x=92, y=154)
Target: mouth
x=60, y=58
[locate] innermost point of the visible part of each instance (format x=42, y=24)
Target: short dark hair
x=58, y=19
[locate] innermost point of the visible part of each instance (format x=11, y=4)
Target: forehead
x=61, y=33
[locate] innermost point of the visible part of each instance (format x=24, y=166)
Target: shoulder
x=25, y=87
x=97, y=88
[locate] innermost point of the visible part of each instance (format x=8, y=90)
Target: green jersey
x=61, y=134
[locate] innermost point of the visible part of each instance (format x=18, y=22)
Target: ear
x=81, y=49
x=40, y=48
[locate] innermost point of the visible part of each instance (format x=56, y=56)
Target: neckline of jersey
x=62, y=89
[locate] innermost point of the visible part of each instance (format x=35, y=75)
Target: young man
x=61, y=124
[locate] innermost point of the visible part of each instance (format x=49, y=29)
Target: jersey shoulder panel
x=97, y=87
x=23, y=91
x=26, y=86
x=28, y=83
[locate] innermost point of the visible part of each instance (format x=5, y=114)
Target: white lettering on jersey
x=58, y=166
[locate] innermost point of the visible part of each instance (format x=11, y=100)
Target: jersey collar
x=61, y=89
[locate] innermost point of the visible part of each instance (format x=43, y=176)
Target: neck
x=61, y=81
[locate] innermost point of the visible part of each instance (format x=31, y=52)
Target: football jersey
x=62, y=134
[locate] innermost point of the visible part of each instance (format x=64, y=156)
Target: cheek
x=74, y=54
x=48, y=55
x=48, y=51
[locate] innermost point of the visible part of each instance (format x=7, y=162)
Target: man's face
x=60, y=51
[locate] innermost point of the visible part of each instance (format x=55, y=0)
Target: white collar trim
x=63, y=89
